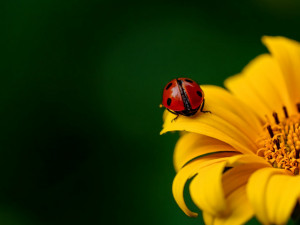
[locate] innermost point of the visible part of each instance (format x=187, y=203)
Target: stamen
x=280, y=143
x=298, y=107
x=285, y=112
x=276, y=142
x=275, y=115
x=270, y=131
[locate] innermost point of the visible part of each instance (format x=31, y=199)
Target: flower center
x=280, y=142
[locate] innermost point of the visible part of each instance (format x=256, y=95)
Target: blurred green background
x=80, y=86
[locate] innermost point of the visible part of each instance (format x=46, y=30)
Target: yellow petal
x=239, y=87
x=257, y=190
x=212, y=126
x=287, y=53
x=246, y=159
x=241, y=210
x=192, y=145
x=188, y=172
x=206, y=189
x=281, y=197
x=238, y=207
x=208, y=218
x=261, y=86
x=239, y=113
x=239, y=175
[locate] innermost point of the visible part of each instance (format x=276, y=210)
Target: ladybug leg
x=203, y=107
x=177, y=114
x=174, y=118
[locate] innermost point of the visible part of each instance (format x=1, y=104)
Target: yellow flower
x=243, y=158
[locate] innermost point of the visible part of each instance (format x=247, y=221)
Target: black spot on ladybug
x=179, y=82
x=169, y=101
x=199, y=93
x=169, y=85
x=187, y=80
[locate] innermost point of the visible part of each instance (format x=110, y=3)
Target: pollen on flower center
x=280, y=144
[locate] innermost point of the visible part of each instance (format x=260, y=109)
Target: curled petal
x=192, y=145
x=238, y=205
x=239, y=209
x=191, y=170
x=212, y=126
x=206, y=189
x=210, y=189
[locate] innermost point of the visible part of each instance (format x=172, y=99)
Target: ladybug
x=183, y=96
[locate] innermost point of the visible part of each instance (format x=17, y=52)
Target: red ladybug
x=183, y=96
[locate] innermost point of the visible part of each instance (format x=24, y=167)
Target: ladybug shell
x=173, y=99
x=193, y=91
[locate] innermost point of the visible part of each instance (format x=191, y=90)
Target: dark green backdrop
x=80, y=86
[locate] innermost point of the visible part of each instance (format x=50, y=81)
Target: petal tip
x=269, y=41
x=266, y=38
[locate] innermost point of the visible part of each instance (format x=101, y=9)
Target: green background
x=80, y=86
